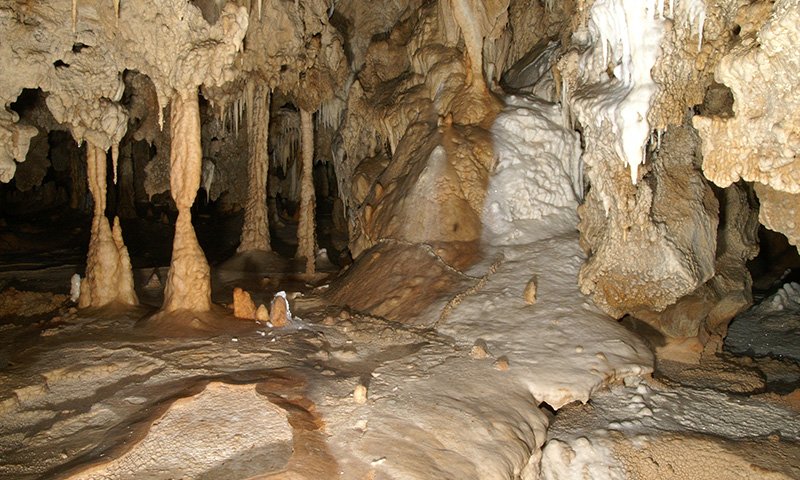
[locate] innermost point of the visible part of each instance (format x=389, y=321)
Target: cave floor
x=471, y=394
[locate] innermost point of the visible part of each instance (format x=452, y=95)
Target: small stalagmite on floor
x=189, y=282
x=243, y=306
x=279, y=311
x=108, y=267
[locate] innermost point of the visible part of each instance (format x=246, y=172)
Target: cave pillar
x=109, y=277
x=189, y=282
x=306, y=235
x=255, y=231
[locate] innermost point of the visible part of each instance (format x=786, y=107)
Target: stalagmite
x=108, y=267
x=189, y=281
x=74, y=15
x=255, y=232
x=243, y=306
x=306, y=235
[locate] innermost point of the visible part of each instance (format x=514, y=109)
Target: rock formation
x=401, y=101
x=760, y=142
x=108, y=268
x=306, y=233
x=188, y=285
x=255, y=231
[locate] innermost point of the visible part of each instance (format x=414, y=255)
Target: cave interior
x=406, y=239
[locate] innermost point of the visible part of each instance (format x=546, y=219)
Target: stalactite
x=285, y=139
x=189, y=281
x=235, y=114
x=306, y=234
x=115, y=161
x=116, y=10
x=108, y=268
x=467, y=19
x=255, y=231
x=330, y=113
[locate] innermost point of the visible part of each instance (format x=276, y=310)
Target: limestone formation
x=280, y=315
x=306, y=229
x=780, y=211
x=513, y=174
x=760, y=142
x=188, y=285
x=243, y=306
x=360, y=394
x=262, y=314
x=529, y=294
x=109, y=278
x=659, y=243
x=255, y=231
x=707, y=310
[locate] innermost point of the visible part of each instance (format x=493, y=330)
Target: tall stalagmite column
x=306, y=235
x=189, y=281
x=255, y=231
x=108, y=267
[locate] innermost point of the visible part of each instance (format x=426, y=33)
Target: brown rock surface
x=243, y=306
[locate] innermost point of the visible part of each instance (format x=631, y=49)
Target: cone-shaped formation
x=255, y=231
x=189, y=281
x=306, y=234
x=243, y=306
x=108, y=268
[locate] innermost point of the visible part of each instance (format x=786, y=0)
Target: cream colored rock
x=262, y=314
x=479, y=350
x=109, y=277
x=360, y=394
x=502, y=364
x=780, y=211
x=280, y=315
x=188, y=285
x=243, y=306
x=761, y=142
x=529, y=294
x=655, y=244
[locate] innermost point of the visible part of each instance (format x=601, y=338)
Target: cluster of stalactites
x=626, y=36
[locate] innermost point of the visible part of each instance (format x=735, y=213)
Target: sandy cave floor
x=108, y=394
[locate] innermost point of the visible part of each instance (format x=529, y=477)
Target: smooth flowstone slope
x=561, y=347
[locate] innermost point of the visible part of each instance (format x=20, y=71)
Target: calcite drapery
x=108, y=268
x=188, y=284
x=255, y=231
x=306, y=234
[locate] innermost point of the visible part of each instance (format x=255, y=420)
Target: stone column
x=306, y=234
x=189, y=281
x=108, y=268
x=255, y=231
